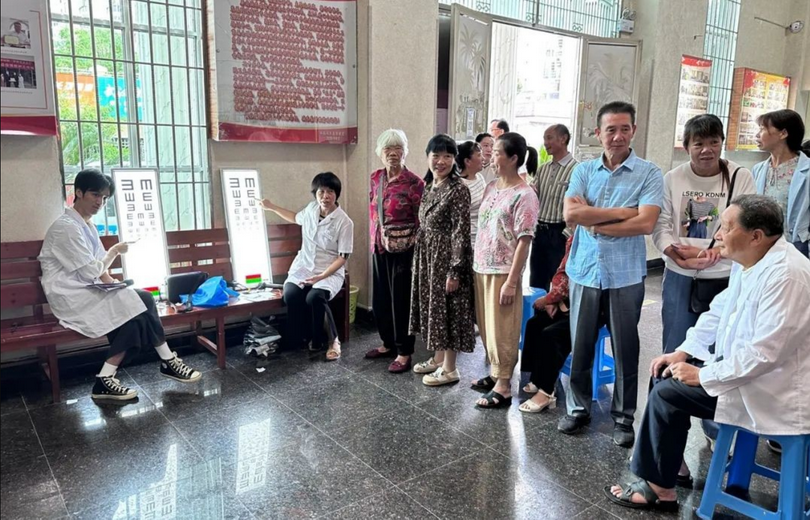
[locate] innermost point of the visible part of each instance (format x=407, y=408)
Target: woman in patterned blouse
x=785, y=175
x=548, y=341
x=442, y=299
x=506, y=222
x=398, y=191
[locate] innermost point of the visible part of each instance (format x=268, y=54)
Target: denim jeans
x=678, y=318
x=675, y=312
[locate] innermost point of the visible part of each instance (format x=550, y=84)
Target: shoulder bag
x=705, y=289
x=395, y=239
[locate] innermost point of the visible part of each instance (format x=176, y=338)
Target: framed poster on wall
x=608, y=74
x=693, y=92
x=469, y=78
x=283, y=71
x=753, y=93
x=140, y=222
x=247, y=229
x=26, y=82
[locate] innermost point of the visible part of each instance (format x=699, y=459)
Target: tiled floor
x=297, y=438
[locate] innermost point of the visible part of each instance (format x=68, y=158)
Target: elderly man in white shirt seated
x=317, y=273
x=73, y=258
x=760, y=326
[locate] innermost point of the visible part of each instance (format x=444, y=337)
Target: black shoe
x=174, y=368
x=573, y=424
x=774, y=446
x=110, y=388
x=624, y=435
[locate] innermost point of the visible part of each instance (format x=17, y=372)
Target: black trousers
x=307, y=309
x=547, y=345
x=391, y=300
x=662, y=436
x=620, y=310
x=548, y=249
x=144, y=330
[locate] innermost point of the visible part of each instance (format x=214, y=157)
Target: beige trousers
x=499, y=324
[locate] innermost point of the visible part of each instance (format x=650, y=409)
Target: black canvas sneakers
x=174, y=368
x=110, y=388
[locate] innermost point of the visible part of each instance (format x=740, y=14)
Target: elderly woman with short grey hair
x=394, y=198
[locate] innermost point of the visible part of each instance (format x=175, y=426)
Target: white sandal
x=333, y=352
x=529, y=406
x=530, y=388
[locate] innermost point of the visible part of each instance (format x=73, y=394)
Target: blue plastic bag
x=214, y=292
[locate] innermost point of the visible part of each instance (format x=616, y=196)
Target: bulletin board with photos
x=26, y=83
x=753, y=93
x=693, y=92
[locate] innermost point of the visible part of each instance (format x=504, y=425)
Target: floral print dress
x=443, y=251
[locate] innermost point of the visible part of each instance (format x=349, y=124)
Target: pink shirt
x=504, y=217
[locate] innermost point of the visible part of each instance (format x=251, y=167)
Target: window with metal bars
x=594, y=17
x=720, y=46
x=131, y=93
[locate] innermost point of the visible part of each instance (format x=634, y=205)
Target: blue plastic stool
x=530, y=294
x=604, y=367
x=793, y=477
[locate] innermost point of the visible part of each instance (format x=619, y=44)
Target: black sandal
x=685, y=481
x=485, y=384
x=644, y=489
x=495, y=400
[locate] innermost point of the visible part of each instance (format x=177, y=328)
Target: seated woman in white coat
x=73, y=257
x=758, y=372
x=316, y=275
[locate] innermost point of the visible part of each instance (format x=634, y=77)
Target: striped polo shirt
x=550, y=183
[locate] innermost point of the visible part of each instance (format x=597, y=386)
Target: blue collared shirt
x=604, y=262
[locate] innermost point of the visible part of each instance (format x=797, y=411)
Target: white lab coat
x=71, y=244
x=322, y=242
x=761, y=326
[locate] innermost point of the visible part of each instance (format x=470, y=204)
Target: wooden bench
x=34, y=327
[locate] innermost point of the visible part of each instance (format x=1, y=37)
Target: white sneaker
x=440, y=377
x=426, y=367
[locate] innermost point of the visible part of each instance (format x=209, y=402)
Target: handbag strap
x=728, y=201
x=380, y=215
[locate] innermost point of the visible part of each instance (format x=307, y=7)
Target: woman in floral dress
x=441, y=295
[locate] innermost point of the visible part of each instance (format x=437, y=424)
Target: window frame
x=191, y=179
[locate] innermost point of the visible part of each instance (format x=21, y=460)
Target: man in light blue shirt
x=614, y=201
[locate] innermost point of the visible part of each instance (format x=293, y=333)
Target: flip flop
x=485, y=384
x=643, y=488
x=495, y=400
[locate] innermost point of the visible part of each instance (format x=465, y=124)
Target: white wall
x=30, y=187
